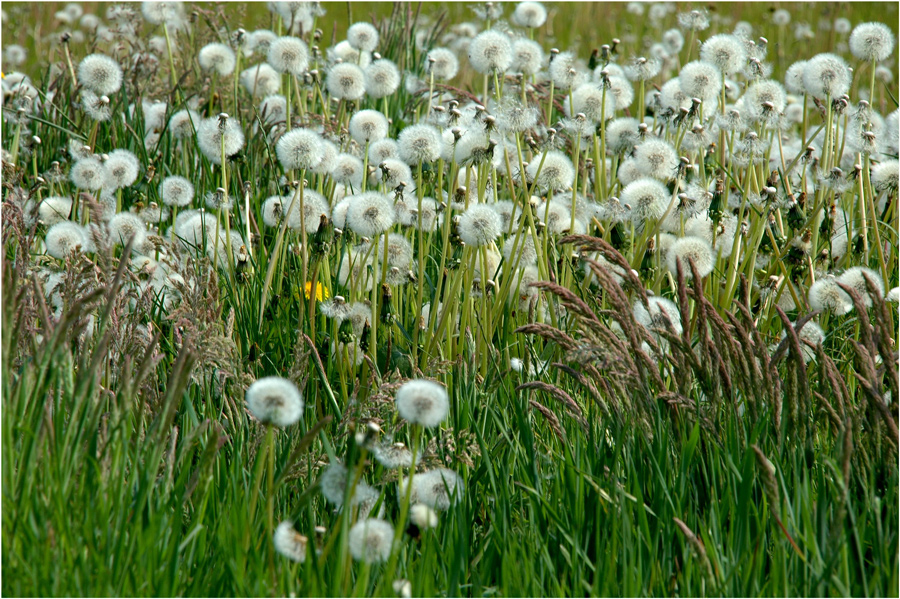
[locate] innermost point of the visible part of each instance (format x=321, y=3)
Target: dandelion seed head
x=591, y=100
x=344, y=52
x=490, y=51
x=566, y=72
x=299, y=149
x=443, y=63
x=54, y=209
x=419, y=143
x=120, y=170
x=663, y=315
x=64, y=238
x=643, y=69
x=527, y=57
x=701, y=80
x=395, y=173
x=363, y=36
x=673, y=41
x=368, y=126
x=348, y=169
x=164, y=12
x=275, y=400
x=557, y=172
x=212, y=138
x=529, y=14
x=346, y=81
x=370, y=540
x=370, y=214
x=98, y=108
x=695, y=20
x=393, y=455
x=383, y=149
x=648, y=199
x=382, y=78
x=422, y=402
x=886, y=176
x=826, y=76
x=183, y=123
x=290, y=543
x=87, y=173
x=288, y=55
x=825, y=294
x=333, y=484
x=622, y=135
x=656, y=158
x=855, y=277
x=217, y=57
x=727, y=52
x=688, y=249
x=439, y=489
x=100, y=74
x=260, y=80
x=871, y=41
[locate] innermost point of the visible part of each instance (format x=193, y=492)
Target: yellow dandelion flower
x=321, y=291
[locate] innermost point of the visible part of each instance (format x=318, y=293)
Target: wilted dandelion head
x=370, y=540
x=120, y=169
x=591, y=100
x=419, y=143
x=288, y=55
x=556, y=173
x=490, y=52
x=825, y=294
x=87, y=173
x=217, y=57
x=261, y=80
x=290, y=543
x=826, y=76
x=368, y=126
x=648, y=199
x=727, y=52
x=346, y=81
x=656, y=158
x=856, y=278
x=100, y=74
x=701, y=80
x=216, y=135
x=687, y=249
x=370, y=214
x=527, y=57
x=439, y=489
x=363, y=36
x=529, y=14
x=276, y=401
x=422, y=402
x=871, y=41
x=382, y=78
x=443, y=63
x=299, y=149
x=64, y=238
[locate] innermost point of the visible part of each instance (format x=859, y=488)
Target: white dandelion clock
x=442, y=63
x=370, y=214
x=872, y=41
x=121, y=169
x=825, y=294
x=299, y=149
x=217, y=57
x=529, y=14
x=100, y=74
x=217, y=135
x=88, y=173
x=648, y=199
x=64, y=238
x=382, y=78
x=370, y=540
x=261, y=80
x=826, y=76
x=691, y=249
x=288, y=55
x=856, y=279
x=290, y=543
x=419, y=143
x=422, y=402
x=346, y=81
x=275, y=401
x=490, y=52
x=439, y=489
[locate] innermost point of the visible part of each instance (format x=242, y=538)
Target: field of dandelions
x=505, y=299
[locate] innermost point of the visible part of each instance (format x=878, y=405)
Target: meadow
x=414, y=300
